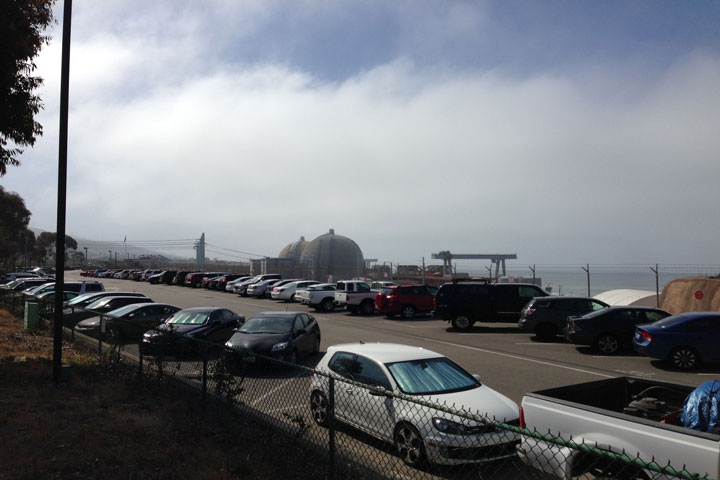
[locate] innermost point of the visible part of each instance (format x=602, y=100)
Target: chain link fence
x=360, y=429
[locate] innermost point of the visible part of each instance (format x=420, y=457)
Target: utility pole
x=532, y=269
x=587, y=270
x=489, y=269
x=656, y=271
x=423, y=270
x=62, y=193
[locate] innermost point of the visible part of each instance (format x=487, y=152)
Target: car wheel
x=607, y=344
x=292, y=298
x=319, y=408
x=408, y=311
x=367, y=307
x=684, y=358
x=327, y=305
x=461, y=322
x=545, y=331
x=409, y=445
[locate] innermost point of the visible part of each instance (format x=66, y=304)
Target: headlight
x=280, y=346
x=453, y=428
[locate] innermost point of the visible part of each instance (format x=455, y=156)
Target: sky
x=566, y=132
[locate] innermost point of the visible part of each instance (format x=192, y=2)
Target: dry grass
x=106, y=424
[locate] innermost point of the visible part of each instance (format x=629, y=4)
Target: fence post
x=331, y=429
x=100, y=333
x=204, y=373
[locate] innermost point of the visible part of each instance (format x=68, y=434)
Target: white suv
x=376, y=385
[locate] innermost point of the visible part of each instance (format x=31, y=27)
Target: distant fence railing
x=361, y=429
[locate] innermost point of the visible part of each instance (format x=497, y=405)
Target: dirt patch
x=105, y=422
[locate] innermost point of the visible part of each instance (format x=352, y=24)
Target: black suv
x=547, y=316
x=464, y=303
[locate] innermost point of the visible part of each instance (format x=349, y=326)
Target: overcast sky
x=563, y=131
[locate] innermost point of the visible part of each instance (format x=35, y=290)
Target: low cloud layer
x=592, y=162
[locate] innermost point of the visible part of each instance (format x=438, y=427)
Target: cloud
x=171, y=136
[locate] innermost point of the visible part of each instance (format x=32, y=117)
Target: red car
x=405, y=300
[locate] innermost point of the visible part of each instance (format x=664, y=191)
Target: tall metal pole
x=587, y=271
x=423, y=270
x=62, y=194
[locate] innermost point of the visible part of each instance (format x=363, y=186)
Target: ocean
x=574, y=281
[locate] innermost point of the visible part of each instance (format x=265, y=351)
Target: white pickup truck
x=356, y=296
x=320, y=296
x=629, y=416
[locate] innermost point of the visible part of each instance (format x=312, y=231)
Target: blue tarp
x=701, y=410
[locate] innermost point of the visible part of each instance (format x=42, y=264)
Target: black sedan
x=187, y=329
x=610, y=329
x=284, y=335
x=128, y=322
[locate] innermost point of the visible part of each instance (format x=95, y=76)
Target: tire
x=408, y=311
x=684, y=358
x=607, y=344
x=409, y=445
x=292, y=356
x=327, y=305
x=319, y=408
x=546, y=331
x=292, y=298
x=462, y=322
x=367, y=307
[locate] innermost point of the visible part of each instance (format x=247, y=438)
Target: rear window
x=93, y=287
x=388, y=291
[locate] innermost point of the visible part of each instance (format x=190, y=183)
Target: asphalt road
x=508, y=360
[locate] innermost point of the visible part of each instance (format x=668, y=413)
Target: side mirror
x=302, y=331
x=477, y=377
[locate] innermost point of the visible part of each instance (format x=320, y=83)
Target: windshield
x=97, y=304
x=78, y=299
x=268, y=325
x=189, y=318
x=122, y=311
x=432, y=375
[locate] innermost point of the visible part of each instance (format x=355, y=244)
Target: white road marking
x=270, y=392
x=294, y=407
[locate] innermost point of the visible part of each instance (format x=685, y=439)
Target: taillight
x=522, y=418
x=645, y=336
x=434, y=304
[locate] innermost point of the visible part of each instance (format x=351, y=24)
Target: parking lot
x=508, y=360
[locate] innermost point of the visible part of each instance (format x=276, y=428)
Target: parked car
x=405, y=300
x=183, y=332
x=464, y=303
x=230, y=287
x=684, y=340
x=24, y=283
x=279, y=283
x=223, y=281
x=610, y=329
x=74, y=310
x=76, y=287
x=241, y=288
x=284, y=335
x=179, y=278
x=547, y=317
x=49, y=297
x=164, y=276
x=127, y=322
x=102, y=306
x=287, y=292
x=418, y=431
x=379, y=285
x=260, y=289
x=356, y=296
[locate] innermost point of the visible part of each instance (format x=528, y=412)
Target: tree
x=45, y=246
x=14, y=234
x=21, y=26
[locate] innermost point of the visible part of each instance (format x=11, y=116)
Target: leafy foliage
x=14, y=219
x=21, y=26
